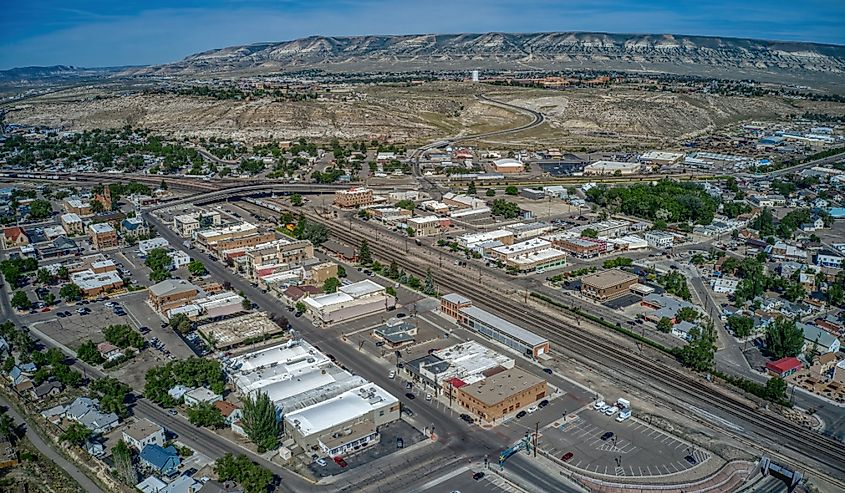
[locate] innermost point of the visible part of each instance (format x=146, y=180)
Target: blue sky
x=93, y=33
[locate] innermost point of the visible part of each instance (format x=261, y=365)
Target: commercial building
x=171, y=293
x=535, y=255
x=612, y=168
x=345, y=423
x=659, y=239
x=828, y=258
x=581, y=247
x=508, y=165
x=236, y=247
x=232, y=332
x=471, y=240
x=425, y=226
x=145, y=246
x=214, y=305
x=352, y=301
x=72, y=223
x=608, y=284
x=455, y=366
x=353, y=198
x=93, y=283
x=664, y=306
x=102, y=236
x=784, y=367
x=77, y=206
x=501, y=394
x=209, y=238
x=396, y=333
x=186, y=225
x=277, y=255
x=523, y=231
x=451, y=304
x=661, y=157
x=461, y=201
x=499, y=330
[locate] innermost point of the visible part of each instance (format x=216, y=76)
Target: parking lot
x=634, y=449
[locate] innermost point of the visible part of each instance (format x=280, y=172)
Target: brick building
x=501, y=394
x=608, y=284
x=102, y=236
x=354, y=197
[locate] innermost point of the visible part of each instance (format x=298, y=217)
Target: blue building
x=162, y=460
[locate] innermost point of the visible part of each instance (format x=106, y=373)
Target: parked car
x=598, y=405
x=339, y=461
x=391, y=375
x=691, y=459
x=532, y=409
x=61, y=315
x=521, y=414
x=606, y=436
x=410, y=396
x=567, y=456
x=407, y=410
x=478, y=475
x=611, y=411
x=321, y=462
x=379, y=343
x=428, y=397
x=467, y=418
x=543, y=403
x=548, y=370
x=400, y=443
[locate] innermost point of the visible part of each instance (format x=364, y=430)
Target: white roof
x=324, y=300
x=540, y=256
x=507, y=163
x=473, y=238
x=88, y=279
x=424, y=219
x=71, y=217
x=288, y=356
x=151, y=485
x=523, y=246
x=341, y=409
x=661, y=156
x=361, y=288
x=613, y=165
x=100, y=228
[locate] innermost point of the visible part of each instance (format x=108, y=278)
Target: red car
x=339, y=460
x=46, y=309
x=567, y=456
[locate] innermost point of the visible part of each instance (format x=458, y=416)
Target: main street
x=454, y=436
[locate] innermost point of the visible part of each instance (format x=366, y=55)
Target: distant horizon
x=257, y=43
x=100, y=33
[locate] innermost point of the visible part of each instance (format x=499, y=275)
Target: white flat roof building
x=88, y=280
x=468, y=361
x=145, y=246
x=101, y=228
x=341, y=409
x=661, y=157
x=472, y=239
x=611, y=167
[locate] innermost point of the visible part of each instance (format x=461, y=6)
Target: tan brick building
x=501, y=394
x=171, y=293
x=451, y=304
x=102, y=236
x=354, y=197
x=608, y=284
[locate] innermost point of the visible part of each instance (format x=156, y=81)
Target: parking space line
x=578, y=464
x=641, y=470
x=649, y=470
x=679, y=445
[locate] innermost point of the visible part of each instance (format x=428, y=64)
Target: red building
x=784, y=366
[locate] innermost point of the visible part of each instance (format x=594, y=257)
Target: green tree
x=687, y=313
x=406, y=204
x=775, y=389
x=784, y=338
x=365, y=257
x=300, y=307
x=63, y=273
x=393, y=270
x=70, y=292
x=501, y=207
x=296, y=200
x=180, y=323
x=259, y=421
x=429, y=287
x=8, y=428
x=252, y=477
x=341, y=271
x=40, y=209
x=741, y=326
x=124, y=466
x=246, y=304
x=205, y=414
x=97, y=207
x=491, y=192
x=471, y=188
x=664, y=325
x=330, y=285
x=794, y=292
x=590, y=233
x=49, y=298
x=123, y=336
x=21, y=301
x=511, y=190
x=88, y=353
x=410, y=231
x=43, y=276
x=699, y=353
x=197, y=268
x=76, y=434
x=835, y=294
x=112, y=394
x=159, y=263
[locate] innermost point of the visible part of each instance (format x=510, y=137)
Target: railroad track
x=824, y=450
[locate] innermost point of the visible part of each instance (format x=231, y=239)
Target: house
x=86, y=411
x=47, y=389
x=178, y=391
x=659, y=239
x=159, y=459
x=109, y=351
x=664, y=306
x=784, y=367
x=230, y=412
x=142, y=433
x=682, y=329
x=182, y=484
x=814, y=225
x=134, y=226
x=95, y=448
x=4, y=346
x=823, y=365
x=824, y=341
x=828, y=258
x=14, y=237
x=151, y=485
x=201, y=394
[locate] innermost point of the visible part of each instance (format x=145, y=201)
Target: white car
x=622, y=417
x=391, y=375
x=599, y=404
x=428, y=397
x=611, y=411
x=531, y=409
x=604, y=408
x=321, y=462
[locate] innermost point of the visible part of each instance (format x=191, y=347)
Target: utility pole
x=536, y=436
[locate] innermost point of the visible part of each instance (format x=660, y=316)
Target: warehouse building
x=508, y=165
x=493, y=327
x=612, y=168
x=501, y=394
x=607, y=285
x=349, y=302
